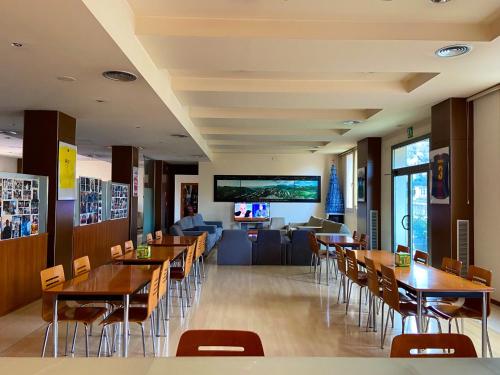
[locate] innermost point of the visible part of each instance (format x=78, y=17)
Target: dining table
x=168, y=240
x=426, y=281
x=159, y=254
x=109, y=282
x=330, y=240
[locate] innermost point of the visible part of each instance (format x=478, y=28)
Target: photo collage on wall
x=90, y=200
x=119, y=201
x=19, y=207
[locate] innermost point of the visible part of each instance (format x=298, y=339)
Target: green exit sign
x=409, y=132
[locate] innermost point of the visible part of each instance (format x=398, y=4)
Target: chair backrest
x=403, y=249
x=277, y=223
x=201, y=244
x=421, y=257
x=116, y=251
x=192, y=342
x=149, y=237
x=81, y=265
x=390, y=293
x=450, y=265
x=352, y=264
x=154, y=287
x=449, y=345
x=189, y=259
x=129, y=245
x=355, y=235
x=49, y=278
x=165, y=269
x=371, y=272
x=481, y=276
x=158, y=235
x=363, y=240
x=313, y=242
x=341, y=262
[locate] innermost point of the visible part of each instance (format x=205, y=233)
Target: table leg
x=484, y=326
x=327, y=265
x=419, y=311
x=126, y=305
x=55, y=328
x=167, y=296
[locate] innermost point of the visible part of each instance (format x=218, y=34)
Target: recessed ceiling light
x=179, y=135
x=119, y=75
x=351, y=122
x=439, y=1
x=453, y=50
x=137, y=127
x=100, y=101
x=66, y=78
x=16, y=44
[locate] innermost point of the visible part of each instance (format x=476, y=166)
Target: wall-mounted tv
x=267, y=188
x=245, y=212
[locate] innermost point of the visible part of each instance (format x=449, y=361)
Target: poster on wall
x=189, y=199
x=66, y=189
x=119, y=201
x=440, y=175
x=19, y=207
x=361, y=184
x=135, y=173
x=90, y=198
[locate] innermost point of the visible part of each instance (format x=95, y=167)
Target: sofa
x=327, y=226
x=195, y=225
x=269, y=248
x=299, y=250
x=234, y=248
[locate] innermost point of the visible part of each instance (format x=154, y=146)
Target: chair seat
x=139, y=299
x=448, y=311
x=362, y=279
x=176, y=273
x=85, y=314
x=135, y=315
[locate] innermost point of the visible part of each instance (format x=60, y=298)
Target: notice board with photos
x=90, y=200
x=120, y=194
x=23, y=205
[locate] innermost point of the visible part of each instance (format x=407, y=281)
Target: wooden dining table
x=109, y=282
x=426, y=281
x=173, y=241
x=159, y=254
x=330, y=240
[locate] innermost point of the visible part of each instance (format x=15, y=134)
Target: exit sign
x=409, y=132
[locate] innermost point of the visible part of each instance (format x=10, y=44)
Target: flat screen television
x=247, y=212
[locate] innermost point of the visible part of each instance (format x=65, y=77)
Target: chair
x=342, y=269
x=129, y=245
x=267, y=250
x=86, y=315
x=354, y=276
x=116, y=251
x=201, y=243
x=81, y=266
x=421, y=257
x=136, y=314
x=471, y=308
x=234, y=248
x=158, y=235
x=180, y=275
x=403, y=249
x=453, y=266
x=149, y=238
x=375, y=293
x=192, y=343
x=317, y=255
x=355, y=235
x=300, y=248
x=277, y=223
x=412, y=345
x=363, y=241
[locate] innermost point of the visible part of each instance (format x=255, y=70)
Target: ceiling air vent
x=453, y=50
x=118, y=75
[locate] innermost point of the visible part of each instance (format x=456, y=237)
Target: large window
x=349, y=180
x=411, y=154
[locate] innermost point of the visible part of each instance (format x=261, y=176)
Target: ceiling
x=272, y=76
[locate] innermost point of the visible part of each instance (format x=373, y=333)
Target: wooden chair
x=355, y=235
x=116, y=251
x=471, y=308
x=403, y=249
x=342, y=269
x=453, y=346
x=375, y=293
x=363, y=241
x=450, y=265
x=318, y=255
x=81, y=266
x=180, y=276
x=137, y=314
x=193, y=342
x=149, y=238
x=86, y=315
x=354, y=276
x=201, y=243
x=421, y=257
x=158, y=235
x=129, y=245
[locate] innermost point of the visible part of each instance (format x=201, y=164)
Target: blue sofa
x=269, y=248
x=234, y=248
x=195, y=225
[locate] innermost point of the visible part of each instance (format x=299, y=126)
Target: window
x=416, y=153
x=349, y=180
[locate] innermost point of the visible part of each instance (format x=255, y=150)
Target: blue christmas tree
x=334, y=198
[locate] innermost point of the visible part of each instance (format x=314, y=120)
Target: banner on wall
x=440, y=175
x=135, y=172
x=66, y=187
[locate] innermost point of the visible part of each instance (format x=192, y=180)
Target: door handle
x=405, y=227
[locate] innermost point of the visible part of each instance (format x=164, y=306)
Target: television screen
x=251, y=211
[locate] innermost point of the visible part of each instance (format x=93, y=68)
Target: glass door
x=418, y=211
x=400, y=211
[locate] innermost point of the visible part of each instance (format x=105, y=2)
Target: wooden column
x=123, y=161
x=451, y=129
x=159, y=188
x=369, y=156
x=43, y=130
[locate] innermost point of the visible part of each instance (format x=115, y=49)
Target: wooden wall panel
x=21, y=261
x=95, y=240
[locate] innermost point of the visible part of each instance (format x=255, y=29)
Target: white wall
x=181, y=179
x=8, y=164
x=486, y=185
x=387, y=142
x=255, y=164
x=94, y=168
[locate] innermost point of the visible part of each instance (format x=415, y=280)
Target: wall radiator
x=373, y=229
x=463, y=244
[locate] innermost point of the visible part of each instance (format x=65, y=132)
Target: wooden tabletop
x=108, y=279
x=336, y=239
x=159, y=254
x=174, y=241
x=420, y=277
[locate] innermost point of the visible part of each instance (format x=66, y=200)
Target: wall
x=8, y=164
x=181, y=179
x=254, y=164
x=387, y=142
x=486, y=182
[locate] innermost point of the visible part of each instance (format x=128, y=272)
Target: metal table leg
x=327, y=265
x=126, y=305
x=419, y=311
x=55, y=327
x=484, y=326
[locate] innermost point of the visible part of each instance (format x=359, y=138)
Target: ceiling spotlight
x=453, y=50
x=16, y=44
x=66, y=78
x=119, y=75
x=100, y=101
x=13, y=132
x=439, y=1
x=351, y=122
x=179, y=135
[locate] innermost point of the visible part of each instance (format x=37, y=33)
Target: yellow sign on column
x=67, y=171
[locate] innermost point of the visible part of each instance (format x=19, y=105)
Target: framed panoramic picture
x=237, y=188
x=361, y=184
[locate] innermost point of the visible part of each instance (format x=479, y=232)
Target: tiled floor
x=293, y=315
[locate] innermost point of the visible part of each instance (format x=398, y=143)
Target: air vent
x=179, y=135
x=463, y=244
x=118, y=75
x=374, y=229
x=453, y=50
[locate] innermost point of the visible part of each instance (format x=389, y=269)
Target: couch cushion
x=186, y=222
x=331, y=227
x=198, y=220
x=314, y=221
